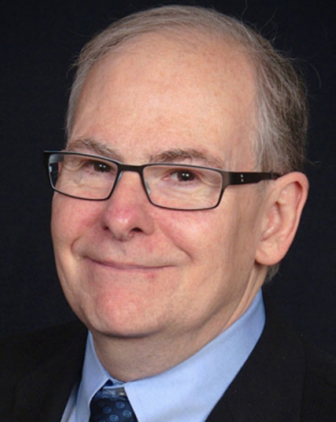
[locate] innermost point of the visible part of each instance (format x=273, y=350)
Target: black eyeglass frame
x=235, y=178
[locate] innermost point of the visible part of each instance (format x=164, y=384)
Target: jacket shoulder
x=21, y=356
x=319, y=398
x=34, y=348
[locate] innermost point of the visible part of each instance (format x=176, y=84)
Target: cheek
x=69, y=222
x=202, y=236
x=210, y=281
x=220, y=242
x=70, y=218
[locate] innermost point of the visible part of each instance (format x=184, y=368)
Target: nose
x=128, y=212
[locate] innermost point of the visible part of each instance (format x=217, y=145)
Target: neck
x=131, y=358
x=128, y=358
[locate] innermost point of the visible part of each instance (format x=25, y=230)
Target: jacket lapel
x=269, y=387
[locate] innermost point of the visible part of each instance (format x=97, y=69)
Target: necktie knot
x=111, y=406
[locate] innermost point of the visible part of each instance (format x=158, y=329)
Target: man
x=178, y=190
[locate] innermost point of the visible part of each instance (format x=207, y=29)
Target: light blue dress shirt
x=185, y=393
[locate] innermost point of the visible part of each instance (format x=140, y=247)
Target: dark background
x=39, y=41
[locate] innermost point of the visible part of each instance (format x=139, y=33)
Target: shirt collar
x=193, y=387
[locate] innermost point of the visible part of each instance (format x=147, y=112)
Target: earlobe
x=282, y=215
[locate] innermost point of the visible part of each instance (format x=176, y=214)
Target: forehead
x=164, y=90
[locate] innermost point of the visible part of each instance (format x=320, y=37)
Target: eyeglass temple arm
x=244, y=178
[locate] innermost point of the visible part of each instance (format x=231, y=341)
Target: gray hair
x=281, y=99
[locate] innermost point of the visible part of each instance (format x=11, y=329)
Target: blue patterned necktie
x=111, y=406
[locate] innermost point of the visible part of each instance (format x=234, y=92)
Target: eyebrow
x=168, y=156
x=96, y=147
x=174, y=155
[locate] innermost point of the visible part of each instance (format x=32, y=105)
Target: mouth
x=127, y=267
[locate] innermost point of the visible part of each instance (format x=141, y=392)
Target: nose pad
x=118, y=180
x=147, y=188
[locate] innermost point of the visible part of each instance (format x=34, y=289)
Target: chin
x=114, y=319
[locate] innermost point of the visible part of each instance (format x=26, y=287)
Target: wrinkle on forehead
x=164, y=72
x=100, y=148
x=91, y=146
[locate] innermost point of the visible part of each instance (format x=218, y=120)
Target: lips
x=125, y=266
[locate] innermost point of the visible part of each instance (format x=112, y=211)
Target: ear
x=284, y=203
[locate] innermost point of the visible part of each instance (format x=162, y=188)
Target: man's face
x=127, y=267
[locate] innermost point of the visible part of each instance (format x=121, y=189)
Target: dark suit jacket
x=283, y=380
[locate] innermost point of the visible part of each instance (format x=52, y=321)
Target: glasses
x=171, y=186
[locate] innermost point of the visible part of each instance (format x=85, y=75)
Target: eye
x=100, y=167
x=184, y=175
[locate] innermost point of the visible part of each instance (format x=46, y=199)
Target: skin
x=154, y=285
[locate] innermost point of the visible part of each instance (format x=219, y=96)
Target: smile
x=123, y=266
